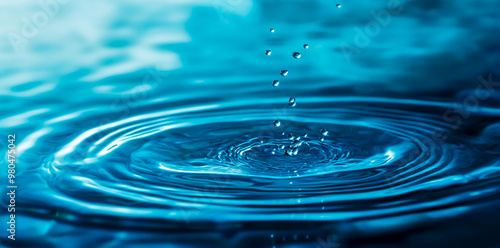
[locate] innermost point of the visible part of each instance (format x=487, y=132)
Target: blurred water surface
x=140, y=124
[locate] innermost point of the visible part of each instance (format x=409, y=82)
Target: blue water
x=154, y=124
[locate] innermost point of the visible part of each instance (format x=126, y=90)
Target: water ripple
x=190, y=164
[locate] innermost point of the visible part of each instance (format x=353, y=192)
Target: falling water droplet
x=277, y=123
x=324, y=132
x=322, y=139
x=276, y=83
x=296, y=55
x=305, y=135
x=271, y=30
x=268, y=52
x=291, y=102
x=338, y=5
x=306, y=46
x=284, y=73
x=291, y=136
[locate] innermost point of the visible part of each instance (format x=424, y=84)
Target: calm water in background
x=140, y=124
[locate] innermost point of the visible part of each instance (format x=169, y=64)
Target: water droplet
x=291, y=102
x=291, y=182
x=271, y=30
x=291, y=136
x=296, y=143
x=284, y=73
x=322, y=139
x=276, y=83
x=272, y=235
x=268, y=52
x=306, y=46
x=292, y=151
x=305, y=135
x=282, y=147
x=277, y=123
x=338, y=5
x=296, y=55
x=324, y=132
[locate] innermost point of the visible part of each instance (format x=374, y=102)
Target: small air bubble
x=284, y=73
x=276, y=83
x=277, y=123
x=268, y=52
x=296, y=55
